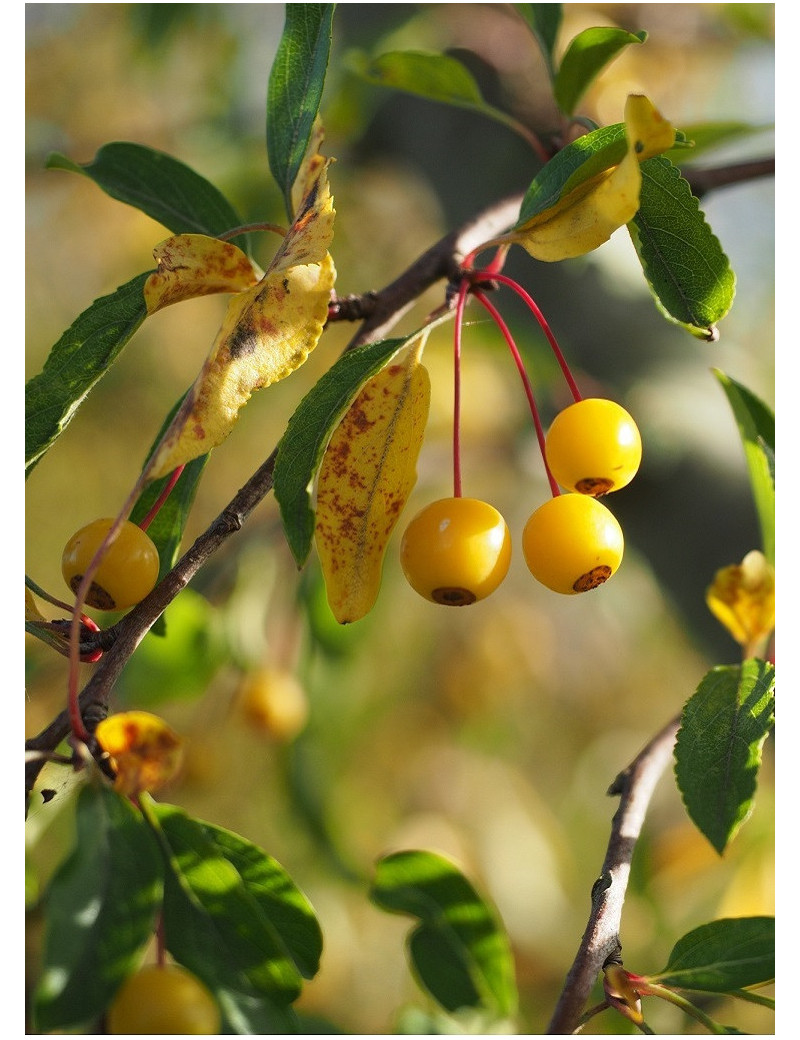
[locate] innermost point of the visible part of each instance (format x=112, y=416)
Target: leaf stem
x=664, y=993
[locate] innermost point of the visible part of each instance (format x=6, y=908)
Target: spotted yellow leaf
x=367, y=473
x=197, y=265
x=587, y=216
x=742, y=598
x=268, y=331
x=144, y=751
x=309, y=168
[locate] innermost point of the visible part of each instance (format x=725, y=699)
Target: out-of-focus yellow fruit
x=274, y=702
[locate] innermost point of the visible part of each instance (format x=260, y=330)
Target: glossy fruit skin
x=593, y=447
x=167, y=1000
x=572, y=543
x=127, y=572
x=456, y=551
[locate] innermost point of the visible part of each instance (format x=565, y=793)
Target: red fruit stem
x=159, y=502
x=512, y=346
x=461, y=303
x=529, y=300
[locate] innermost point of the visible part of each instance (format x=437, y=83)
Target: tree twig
x=600, y=943
x=380, y=311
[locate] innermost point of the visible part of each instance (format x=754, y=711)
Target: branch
x=600, y=942
x=703, y=181
x=379, y=311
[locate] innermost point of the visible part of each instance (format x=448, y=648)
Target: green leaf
x=216, y=925
x=756, y=423
x=721, y=956
x=544, y=21
x=76, y=362
x=459, y=950
x=436, y=77
x=301, y=448
x=296, y=82
x=101, y=911
x=683, y=262
x=704, y=136
x=572, y=166
x=162, y=187
x=167, y=526
x=586, y=57
x=281, y=900
x=718, y=750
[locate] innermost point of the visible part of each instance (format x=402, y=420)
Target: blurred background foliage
x=491, y=733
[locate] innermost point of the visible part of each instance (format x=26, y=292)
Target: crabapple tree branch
x=600, y=943
x=378, y=312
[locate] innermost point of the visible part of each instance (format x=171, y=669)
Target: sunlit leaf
x=76, y=362
x=742, y=597
x=101, y=910
x=459, y=950
x=196, y=265
x=308, y=431
x=683, y=262
x=436, y=77
x=722, y=956
x=283, y=904
x=585, y=58
x=718, y=749
x=145, y=752
x=267, y=333
x=705, y=136
x=591, y=188
x=366, y=476
x=157, y=184
x=296, y=82
x=756, y=422
x=216, y=926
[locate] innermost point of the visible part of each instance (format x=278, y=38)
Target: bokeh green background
x=490, y=733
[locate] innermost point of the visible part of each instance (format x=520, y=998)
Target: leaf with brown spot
x=268, y=331
x=197, y=265
x=367, y=473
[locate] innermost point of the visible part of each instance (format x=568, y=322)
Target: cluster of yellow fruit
x=457, y=550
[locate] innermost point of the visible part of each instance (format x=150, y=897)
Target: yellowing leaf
x=144, y=751
x=32, y=612
x=586, y=217
x=309, y=238
x=742, y=597
x=268, y=332
x=310, y=167
x=366, y=476
x=197, y=265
